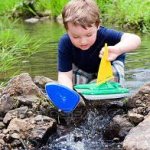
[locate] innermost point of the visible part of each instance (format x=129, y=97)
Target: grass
x=54, y=6
x=7, y=6
x=14, y=46
x=132, y=13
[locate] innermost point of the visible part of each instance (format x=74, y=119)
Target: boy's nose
x=83, y=41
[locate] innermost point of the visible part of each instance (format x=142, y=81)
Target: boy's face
x=80, y=37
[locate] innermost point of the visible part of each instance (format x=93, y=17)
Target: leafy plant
x=14, y=46
x=56, y=6
x=7, y=5
x=130, y=12
x=42, y=5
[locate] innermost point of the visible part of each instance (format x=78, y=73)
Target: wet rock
x=111, y=131
x=141, y=98
x=2, y=135
x=27, y=100
x=21, y=90
x=125, y=125
x=22, y=85
x=40, y=118
x=119, y=127
x=40, y=81
x=2, y=125
x=135, y=118
x=2, y=143
x=15, y=136
x=7, y=103
x=19, y=125
x=44, y=127
x=141, y=110
x=16, y=113
x=34, y=130
x=17, y=144
x=138, y=137
x=32, y=20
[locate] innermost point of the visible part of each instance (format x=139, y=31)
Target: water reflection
x=45, y=61
x=138, y=66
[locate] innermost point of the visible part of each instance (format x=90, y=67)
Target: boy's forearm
x=129, y=42
x=65, y=78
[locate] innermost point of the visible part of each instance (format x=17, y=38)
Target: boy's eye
x=75, y=37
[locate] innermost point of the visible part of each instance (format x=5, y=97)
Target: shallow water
x=45, y=61
x=89, y=135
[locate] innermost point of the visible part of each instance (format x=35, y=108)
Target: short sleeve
x=113, y=36
x=64, y=54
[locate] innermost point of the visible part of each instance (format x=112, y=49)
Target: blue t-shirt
x=87, y=60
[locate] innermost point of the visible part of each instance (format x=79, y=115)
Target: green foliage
x=56, y=6
x=7, y=5
x=18, y=8
x=14, y=45
x=42, y=5
x=103, y=4
x=130, y=12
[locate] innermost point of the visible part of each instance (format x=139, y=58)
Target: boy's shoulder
x=103, y=29
x=65, y=41
x=65, y=37
x=107, y=32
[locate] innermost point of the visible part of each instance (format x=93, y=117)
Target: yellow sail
x=105, y=72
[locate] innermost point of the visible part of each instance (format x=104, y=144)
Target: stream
x=90, y=134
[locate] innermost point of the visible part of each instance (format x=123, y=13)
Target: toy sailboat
x=103, y=88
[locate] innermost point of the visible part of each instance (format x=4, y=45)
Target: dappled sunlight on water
x=137, y=70
x=44, y=63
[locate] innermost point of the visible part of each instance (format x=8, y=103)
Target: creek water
x=44, y=62
x=88, y=136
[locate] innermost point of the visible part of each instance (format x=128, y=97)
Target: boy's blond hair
x=81, y=12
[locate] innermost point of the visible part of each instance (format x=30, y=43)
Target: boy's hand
x=113, y=52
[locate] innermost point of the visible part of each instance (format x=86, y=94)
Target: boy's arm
x=65, y=78
x=128, y=42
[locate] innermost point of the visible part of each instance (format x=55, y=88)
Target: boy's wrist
x=119, y=49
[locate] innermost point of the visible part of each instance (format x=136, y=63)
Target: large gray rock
x=138, y=137
x=34, y=131
x=22, y=85
x=20, y=90
x=16, y=113
x=141, y=98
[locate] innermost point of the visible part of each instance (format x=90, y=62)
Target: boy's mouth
x=84, y=47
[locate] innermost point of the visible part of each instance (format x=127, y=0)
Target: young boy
x=81, y=49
